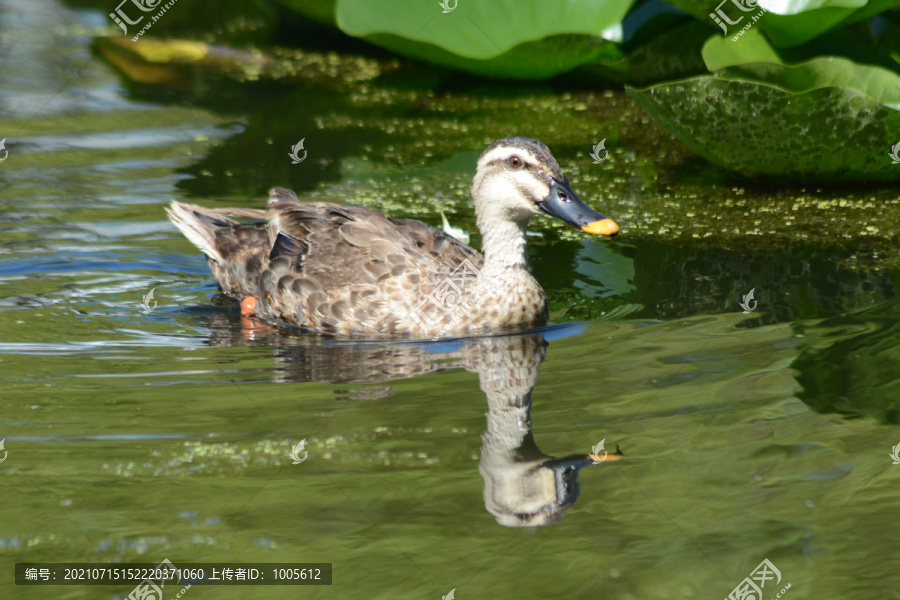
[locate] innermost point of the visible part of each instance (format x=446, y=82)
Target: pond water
x=136, y=436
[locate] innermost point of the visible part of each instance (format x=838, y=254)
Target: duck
x=349, y=270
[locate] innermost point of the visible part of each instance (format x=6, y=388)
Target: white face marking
x=505, y=153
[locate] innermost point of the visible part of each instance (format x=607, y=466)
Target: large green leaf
x=479, y=30
x=792, y=7
x=787, y=23
x=702, y=8
x=719, y=52
x=518, y=39
x=673, y=54
x=826, y=120
x=528, y=39
x=875, y=45
x=788, y=29
x=536, y=60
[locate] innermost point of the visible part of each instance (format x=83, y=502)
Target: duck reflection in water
x=523, y=486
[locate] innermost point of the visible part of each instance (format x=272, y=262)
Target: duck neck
x=503, y=244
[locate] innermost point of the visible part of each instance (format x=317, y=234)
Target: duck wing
x=346, y=269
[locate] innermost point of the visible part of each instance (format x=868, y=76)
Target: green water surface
x=137, y=437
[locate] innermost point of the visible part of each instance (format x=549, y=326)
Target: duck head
x=517, y=177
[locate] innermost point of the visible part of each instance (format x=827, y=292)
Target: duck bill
x=563, y=204
x=579, y=461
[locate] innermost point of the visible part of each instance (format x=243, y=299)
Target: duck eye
x=515, y=162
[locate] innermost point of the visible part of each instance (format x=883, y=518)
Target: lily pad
x=519, y=39
x=874, y=45
x=829, y=119
x=787, y=23
x=673, y=54
x=479, y=30
x=719, y=52
x=537, y=60
x=787, y=29
x=702, y=8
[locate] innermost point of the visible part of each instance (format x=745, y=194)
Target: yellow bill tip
x=601, y=227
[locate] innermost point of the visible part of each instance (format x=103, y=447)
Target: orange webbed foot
x=248, y=305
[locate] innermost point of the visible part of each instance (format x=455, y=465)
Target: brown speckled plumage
x=347, y=269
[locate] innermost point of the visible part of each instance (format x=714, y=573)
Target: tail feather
x=238, y=253
x=199, y=225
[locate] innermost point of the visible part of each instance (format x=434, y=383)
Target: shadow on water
x=849, y=365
